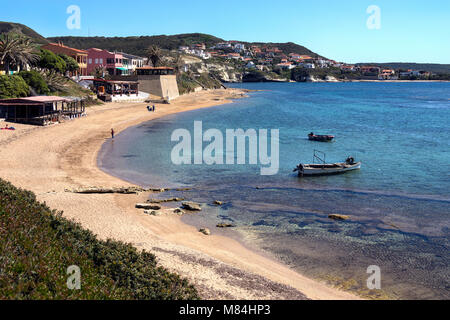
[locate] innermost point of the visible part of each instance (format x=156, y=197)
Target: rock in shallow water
x=338, y=217
x=205, y=231
x=148, y=206
x=192, y=206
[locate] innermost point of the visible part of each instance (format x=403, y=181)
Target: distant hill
x=432, y=67
x=6, y=27
x=137, y=45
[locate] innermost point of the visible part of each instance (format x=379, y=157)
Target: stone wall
x=161, y=86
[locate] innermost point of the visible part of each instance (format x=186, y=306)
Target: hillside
x=6, y=27
x=137, y=45
x=432, y=67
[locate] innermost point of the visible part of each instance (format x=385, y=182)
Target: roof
x=114, y=81
x=154, y=68
x=60, y=45
x=37, y=100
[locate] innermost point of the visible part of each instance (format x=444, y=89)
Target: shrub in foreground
x=37, y=245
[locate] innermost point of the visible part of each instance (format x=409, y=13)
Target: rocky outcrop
x=165, y=200
x=225, y=225
x=205, y=231
x=148, y=206
x=191, y=206
x=153, y=213
x=338, y=217
x=218, y=203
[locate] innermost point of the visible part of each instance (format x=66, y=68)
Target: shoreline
x=49, y=160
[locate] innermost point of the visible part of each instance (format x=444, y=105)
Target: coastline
x=50, y=160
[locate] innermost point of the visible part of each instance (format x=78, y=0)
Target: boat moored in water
x=316, y=169
x=320, y=138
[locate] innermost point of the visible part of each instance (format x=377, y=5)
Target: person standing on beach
x=112, y=133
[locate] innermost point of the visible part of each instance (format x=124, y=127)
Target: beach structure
x=40, y=110
x=80, y=56
x=112, y=88
x=159, y=82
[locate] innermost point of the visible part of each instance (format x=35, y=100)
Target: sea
x=398, y=203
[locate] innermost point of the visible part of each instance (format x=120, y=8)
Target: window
x=101, y=60
x=96, y=61
x=90, y=61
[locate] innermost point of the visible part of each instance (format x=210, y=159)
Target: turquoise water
x=399, y=202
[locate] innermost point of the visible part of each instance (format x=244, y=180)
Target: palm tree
x=16, y=50
x=154, y=54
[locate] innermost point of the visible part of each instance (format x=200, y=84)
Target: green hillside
x=6, y=27
x=137, y=45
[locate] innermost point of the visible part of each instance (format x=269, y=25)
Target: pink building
x=113, y=62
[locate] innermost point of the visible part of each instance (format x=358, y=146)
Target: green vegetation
x=138, y=45
x=35, y=81
x=13, y=87
x=37, y=245
x=17, y=28
x=16, y=51
x=71, y=63
x=50, y=61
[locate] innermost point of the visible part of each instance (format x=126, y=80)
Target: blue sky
x=411, y=31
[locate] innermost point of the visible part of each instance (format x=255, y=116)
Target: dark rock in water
x=338, y=217
x=165, y=200
x=148, y=206
x=153, y=213
x=218, y=203
x=205, y=231
x=264, y=223
x=225, y=225
x=192, y=206
x=178, y=211
x=101, y=190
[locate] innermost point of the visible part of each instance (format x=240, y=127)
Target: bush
x=71, y=63
x=13, y=86
x=35, y=80
x=37, y=245
x=49, y=60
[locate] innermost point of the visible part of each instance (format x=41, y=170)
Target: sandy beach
x=49, y=160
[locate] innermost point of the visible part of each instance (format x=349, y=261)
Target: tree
x=154, y=55
x=71, y=63
x=100, y=72
x=55, y=81
x=50, y=61
x=16, y=50
x=35, y=80
x=13, y=87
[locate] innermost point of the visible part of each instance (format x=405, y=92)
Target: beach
x=51, y=160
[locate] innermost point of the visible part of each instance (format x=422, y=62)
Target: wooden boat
x=320, y=138
x=316, y=169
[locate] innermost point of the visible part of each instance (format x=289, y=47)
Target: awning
x=123, y=69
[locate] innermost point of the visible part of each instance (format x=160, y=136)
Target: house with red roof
x=80, y=56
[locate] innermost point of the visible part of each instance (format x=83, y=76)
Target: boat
x=323, y=168
x=320, y=137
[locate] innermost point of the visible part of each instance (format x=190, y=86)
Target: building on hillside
x=370, y=70
x=131, y=62
x=40, y=110
x=80, y=56
x=111, y=61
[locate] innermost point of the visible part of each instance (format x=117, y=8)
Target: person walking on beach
x=112, y=133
